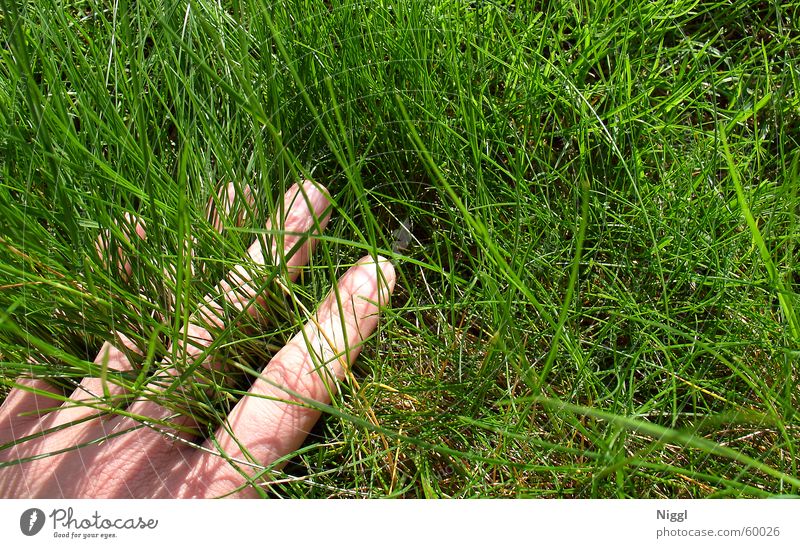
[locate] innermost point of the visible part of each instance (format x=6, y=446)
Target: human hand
x=76, y=451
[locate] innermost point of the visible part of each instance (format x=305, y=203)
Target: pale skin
x=269, y=423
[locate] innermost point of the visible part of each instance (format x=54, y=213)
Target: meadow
x=591, y=205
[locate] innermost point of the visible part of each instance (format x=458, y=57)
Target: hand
x=77, y=451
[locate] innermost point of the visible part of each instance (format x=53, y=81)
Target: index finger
x=272, y=421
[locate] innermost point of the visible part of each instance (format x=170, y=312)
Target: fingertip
x=138, y=226
x=131, y=224
x=304, y=214
x=231, y=202
x=383, y=269
x=314, y=193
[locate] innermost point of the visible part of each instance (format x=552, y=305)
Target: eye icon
x=31, y=521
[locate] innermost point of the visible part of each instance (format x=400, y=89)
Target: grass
x=600, y=295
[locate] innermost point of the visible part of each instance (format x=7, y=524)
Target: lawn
x=592, y=207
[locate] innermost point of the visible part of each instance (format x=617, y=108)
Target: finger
x=304, y=208
x=273, y=421
x=29, y=400
x=111, y=244
x=230, y=206
x=96, y=391
x=288, y=245
x=114, y=355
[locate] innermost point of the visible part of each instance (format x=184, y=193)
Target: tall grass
x=599, y=295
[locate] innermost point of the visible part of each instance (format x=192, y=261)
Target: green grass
x=600, y=298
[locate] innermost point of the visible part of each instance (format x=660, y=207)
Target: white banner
x=402, y=523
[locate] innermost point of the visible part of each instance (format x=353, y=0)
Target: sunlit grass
x=599, y=295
